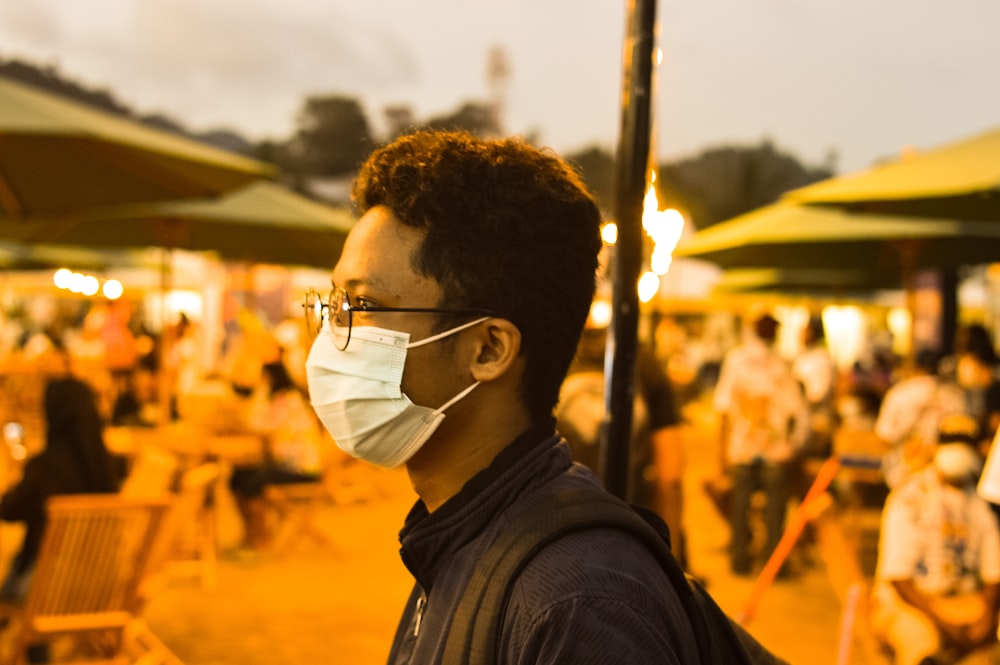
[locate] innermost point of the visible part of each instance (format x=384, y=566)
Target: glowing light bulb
x=112, y=289
x=61, y=278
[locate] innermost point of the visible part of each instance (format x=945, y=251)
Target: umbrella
x=960, y=180
x=59, y=157
x=890, y=249
x=783, y=235
x=813, y=282
x=17, y=256
x=262, y=222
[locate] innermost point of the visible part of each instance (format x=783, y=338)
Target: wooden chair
x=194, y=547
x=296, y=507
x=94, y=555
x=152, y=473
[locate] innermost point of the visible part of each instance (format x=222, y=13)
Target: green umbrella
x=783, y=235
x=960, y=180
x=814, y=282
x=889, y=249
x=59, y=157
x=17, y=256
x=260, y=223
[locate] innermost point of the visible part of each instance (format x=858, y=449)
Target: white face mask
x=358, y=397
x=957, y=461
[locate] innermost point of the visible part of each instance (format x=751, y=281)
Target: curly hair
x=508, y=227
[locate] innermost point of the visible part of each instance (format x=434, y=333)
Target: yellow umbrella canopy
x=783, y=235
x=960, y=180
x=17, y=256
x=58, y=157
x=888, y=249
x=260, y=223
x=818, y=282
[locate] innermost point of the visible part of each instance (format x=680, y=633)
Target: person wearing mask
x=455, y=310
x=938, y=571
x=74, y=461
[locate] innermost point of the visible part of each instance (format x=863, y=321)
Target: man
x=763, y=425
x=938, y=571
x=909, y=417
x=457, y=306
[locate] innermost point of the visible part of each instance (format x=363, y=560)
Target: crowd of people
x=932, y=421
x=487, y=390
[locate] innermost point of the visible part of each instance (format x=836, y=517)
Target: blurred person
x=247, y=351
x=291, y=451
x=910, y=414
x=183, y=362
x=763, y=424
x=135, y=398
x=975, y=372
x=938, y=571
x=813, y=367
x=456, y=309
x=656, y=453
x=74, y=461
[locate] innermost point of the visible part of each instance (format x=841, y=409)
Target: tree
x=597, y=166
x=399, y=120
x=332, y=138
x=715, y=185
x=50, y=79
x=477, y=118
x=721, y=183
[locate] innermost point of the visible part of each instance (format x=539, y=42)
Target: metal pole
x=631, y=171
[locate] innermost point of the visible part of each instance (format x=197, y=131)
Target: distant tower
x=497, y=77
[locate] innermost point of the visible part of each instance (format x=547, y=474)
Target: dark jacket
x=74, y=461
x=596, y=596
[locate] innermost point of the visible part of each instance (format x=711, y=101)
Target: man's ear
x=498, y=345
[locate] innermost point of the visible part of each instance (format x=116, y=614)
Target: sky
x=858, y=79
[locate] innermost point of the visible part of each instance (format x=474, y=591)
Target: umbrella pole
x=631, y=167
x=949, y=308
x=908, y=259
x=166, y=338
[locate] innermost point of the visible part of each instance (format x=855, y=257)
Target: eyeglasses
x=339, y=309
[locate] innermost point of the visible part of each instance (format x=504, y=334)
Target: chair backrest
x=183, y=517
x=196, y=483
x=152, y=473
x=93, y=555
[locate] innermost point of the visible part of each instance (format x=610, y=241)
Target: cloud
x=210, y=63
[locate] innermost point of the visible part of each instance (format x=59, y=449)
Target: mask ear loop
x=456, y=398
x=446, y=333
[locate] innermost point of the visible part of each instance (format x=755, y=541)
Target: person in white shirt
x=938, y=571
x=815, y=370
x=763, y=425
x=909, y=417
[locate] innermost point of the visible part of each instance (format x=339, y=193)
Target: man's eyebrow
x=351, y=284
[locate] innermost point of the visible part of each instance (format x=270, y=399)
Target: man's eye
x=364, y=303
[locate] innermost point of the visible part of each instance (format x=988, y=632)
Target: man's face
x=376, y=267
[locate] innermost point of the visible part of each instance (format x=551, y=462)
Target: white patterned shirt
x=943, y=538
x=767, y=411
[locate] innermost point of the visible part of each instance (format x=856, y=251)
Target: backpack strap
x=473, y=635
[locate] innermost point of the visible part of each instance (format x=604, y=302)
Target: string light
x=87, y=285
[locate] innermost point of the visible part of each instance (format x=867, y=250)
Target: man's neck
x=440, y=470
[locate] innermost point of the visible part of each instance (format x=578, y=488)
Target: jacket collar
x=429, y=540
